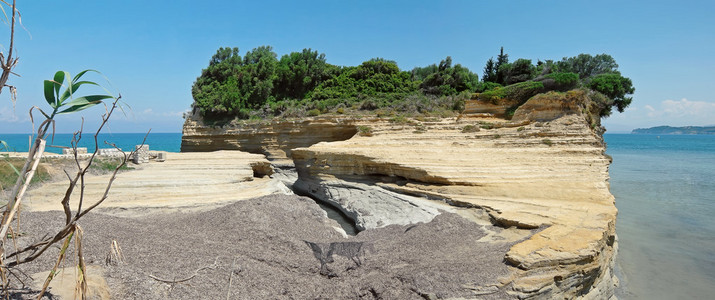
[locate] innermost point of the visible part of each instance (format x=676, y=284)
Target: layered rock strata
x=543, y=171
x=185, y=181
x=274, y=139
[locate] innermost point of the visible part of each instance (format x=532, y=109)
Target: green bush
x=519, y=92
x=487, y=86
x=313, y=112
x=561, y=81
x=446, y=79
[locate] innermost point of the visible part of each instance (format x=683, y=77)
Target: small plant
x=470, y=128
x=487, y=125
x=399, y=119
x=313, y=112
x=59, y=94
x=10, y=168
x=340, y=110
x=520, y=129
x=364, y=130
x=497, y=136
x=109, y=165
x=547, y=142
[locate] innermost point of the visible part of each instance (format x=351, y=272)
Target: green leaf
x=4, y=146
x=82, y=73
x=50, y=93
x=16, y=170
x=83, y=103
x=87, y=99
x=70, y=91
x=79, y=107
x=59, y=79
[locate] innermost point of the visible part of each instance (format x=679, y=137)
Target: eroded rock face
x=542, y=175
x=546, y=107
x=543, y=171
x=274, y=139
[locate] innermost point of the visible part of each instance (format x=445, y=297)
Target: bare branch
x=196, y=273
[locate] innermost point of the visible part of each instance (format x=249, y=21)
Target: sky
x=152, y=51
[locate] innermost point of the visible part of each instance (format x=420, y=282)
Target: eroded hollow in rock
x=334, y=213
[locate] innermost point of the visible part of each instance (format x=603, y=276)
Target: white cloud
x=150, y=113
x=682, y=112
x=8, y=115
x=685, y=107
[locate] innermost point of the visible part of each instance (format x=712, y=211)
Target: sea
x=126, y=141
x=665, y=194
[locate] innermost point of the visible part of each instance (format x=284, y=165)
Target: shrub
x=313, y=112
x=560, y=81
x=486, y=86
x=519, y=92
x=470, y=128
x=364, y=130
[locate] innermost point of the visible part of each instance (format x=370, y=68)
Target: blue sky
x=152, y=51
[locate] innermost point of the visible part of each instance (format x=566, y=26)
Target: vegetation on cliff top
x=521, y=80
x=299, y=84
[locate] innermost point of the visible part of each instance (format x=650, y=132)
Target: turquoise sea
x=126, y=141
x=665, y=194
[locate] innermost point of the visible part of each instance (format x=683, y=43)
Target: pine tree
x=502, y=60
x=490, y=71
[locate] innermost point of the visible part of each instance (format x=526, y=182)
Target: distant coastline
x=676, y=130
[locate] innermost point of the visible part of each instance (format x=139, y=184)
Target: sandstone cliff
x=544, y=172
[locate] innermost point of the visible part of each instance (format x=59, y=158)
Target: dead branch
x=196, y=273
x=8, y=63
x=230, y=280
x=40, y=247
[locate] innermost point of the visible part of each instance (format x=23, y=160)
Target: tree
x=615, y=87
x=586, y=65
x=519, y=71
x=490, y=71
x=449, y=80
x=257, y=75
x=298, y=73
x=371, y=78
x=231, y=86
x=502, y=60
